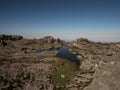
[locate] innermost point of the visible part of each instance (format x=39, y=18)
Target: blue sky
x=97, y=20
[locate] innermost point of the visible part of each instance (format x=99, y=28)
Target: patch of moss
x=63, y=67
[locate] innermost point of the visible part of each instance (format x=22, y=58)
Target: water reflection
x=64, y=52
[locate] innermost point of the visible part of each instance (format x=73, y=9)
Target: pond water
x=63, y=52
x=42, y=50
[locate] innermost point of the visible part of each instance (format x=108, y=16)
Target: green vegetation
x=64, y=70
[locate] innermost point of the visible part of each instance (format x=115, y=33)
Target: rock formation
x=10, y=37
x=50, y=42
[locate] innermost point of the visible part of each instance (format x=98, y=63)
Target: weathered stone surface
x=25, y=76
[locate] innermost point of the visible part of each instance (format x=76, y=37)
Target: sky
x=97, y=20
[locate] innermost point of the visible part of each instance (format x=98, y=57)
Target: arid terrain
x=23, y=67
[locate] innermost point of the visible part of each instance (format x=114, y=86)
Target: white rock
x=62, y=76
x=112, y=63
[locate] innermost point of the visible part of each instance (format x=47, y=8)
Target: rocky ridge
x=99, y=69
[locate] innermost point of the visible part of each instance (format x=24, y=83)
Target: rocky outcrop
x=50, y=42
x=107, y=76
x=3, y=43
x=10, y=37
x=46, y=42
x=100, y=65
x=79, y=41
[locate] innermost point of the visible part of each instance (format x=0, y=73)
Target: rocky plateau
x=23, y=69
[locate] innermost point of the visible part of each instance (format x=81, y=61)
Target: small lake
x=63, y=52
